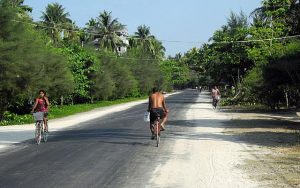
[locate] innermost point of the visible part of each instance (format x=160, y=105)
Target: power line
x=257, y=40
x=175, y=41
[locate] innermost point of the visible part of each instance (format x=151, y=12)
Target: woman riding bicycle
x=42, y=105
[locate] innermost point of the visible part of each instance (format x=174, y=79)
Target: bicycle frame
x=157, y=130
x=40, y=132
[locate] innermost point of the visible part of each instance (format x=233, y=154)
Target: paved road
x=112, y=151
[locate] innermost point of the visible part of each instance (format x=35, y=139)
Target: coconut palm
x=90, y=30
x=71, y=32
x=20, y=5
x=147, y=42
x=143, y=32
x=143, y=38
x=92, y=23
x=159, y=49
x=293, y=17
x=56, y=19
x=236, y=21
x=106, y=31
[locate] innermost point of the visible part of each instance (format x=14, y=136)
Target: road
x=116, y=151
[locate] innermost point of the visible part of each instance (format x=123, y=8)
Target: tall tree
x=293, y=17
x=19, y=6
x=159, y=49
x=27, y=64
x=229, y=58
x=143, y=38
x=106, y=31
x=147, y=42
x=56, y=19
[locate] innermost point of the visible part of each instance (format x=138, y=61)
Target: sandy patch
x=209, y=161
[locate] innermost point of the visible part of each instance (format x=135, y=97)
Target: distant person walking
x=216, y=95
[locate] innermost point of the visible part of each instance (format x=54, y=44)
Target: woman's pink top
x=42, y=106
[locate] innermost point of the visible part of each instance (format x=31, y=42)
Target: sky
x=188, y=22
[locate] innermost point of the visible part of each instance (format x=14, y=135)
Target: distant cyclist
x=216, y=95
x=157, y=106
x=42, y=105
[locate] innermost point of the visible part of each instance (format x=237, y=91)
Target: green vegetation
x=76, y=65
x=102, y=62
x=251, y=59
x=62, y=111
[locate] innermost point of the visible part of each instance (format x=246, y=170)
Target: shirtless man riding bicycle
x=157, y=106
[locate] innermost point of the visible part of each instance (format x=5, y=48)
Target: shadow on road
x=106, y=136
x=270, y=133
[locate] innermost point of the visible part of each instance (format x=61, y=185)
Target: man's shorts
x=156, y=112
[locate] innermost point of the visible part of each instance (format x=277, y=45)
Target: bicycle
x=157, y=129
x=39, y=127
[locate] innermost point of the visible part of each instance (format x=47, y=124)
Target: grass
x=275, y=152
x=279, y=169
x=63, y=111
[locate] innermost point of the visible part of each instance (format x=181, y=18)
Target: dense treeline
x=77, y=65
x=252, y=59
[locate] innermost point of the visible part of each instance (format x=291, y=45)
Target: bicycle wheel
x=45, y=136
x=38, y=132
x=157, y=134
x=44, y=133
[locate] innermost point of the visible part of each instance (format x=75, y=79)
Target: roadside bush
x=27, y=64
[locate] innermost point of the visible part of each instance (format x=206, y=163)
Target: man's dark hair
x=155, y=89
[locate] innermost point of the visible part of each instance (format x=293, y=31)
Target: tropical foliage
x=76, y=65
x=256, y=62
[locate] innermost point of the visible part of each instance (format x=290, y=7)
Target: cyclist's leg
x=164, y=120
x=46, y=122
x=152, y=123
x=152, y=127
x=217, y=102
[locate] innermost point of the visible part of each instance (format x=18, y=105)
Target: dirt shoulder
x=201, y=154
x=276, y=139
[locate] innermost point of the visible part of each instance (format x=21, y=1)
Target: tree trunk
x=62, y=100
x=92, y=100
x=286, y=95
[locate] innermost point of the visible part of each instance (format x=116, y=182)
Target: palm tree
x=293, y=18
x=147, y=42
x=20, y=5
x=159, y=49
x=90, y=30
x=143, y=38
x=143, y=32
x=106, y=31
x=272, y=10
x=92, y=23
x=56, y=20
x=236, y=21
x=72, y=32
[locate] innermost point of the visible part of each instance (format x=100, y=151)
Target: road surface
x=115, y=151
